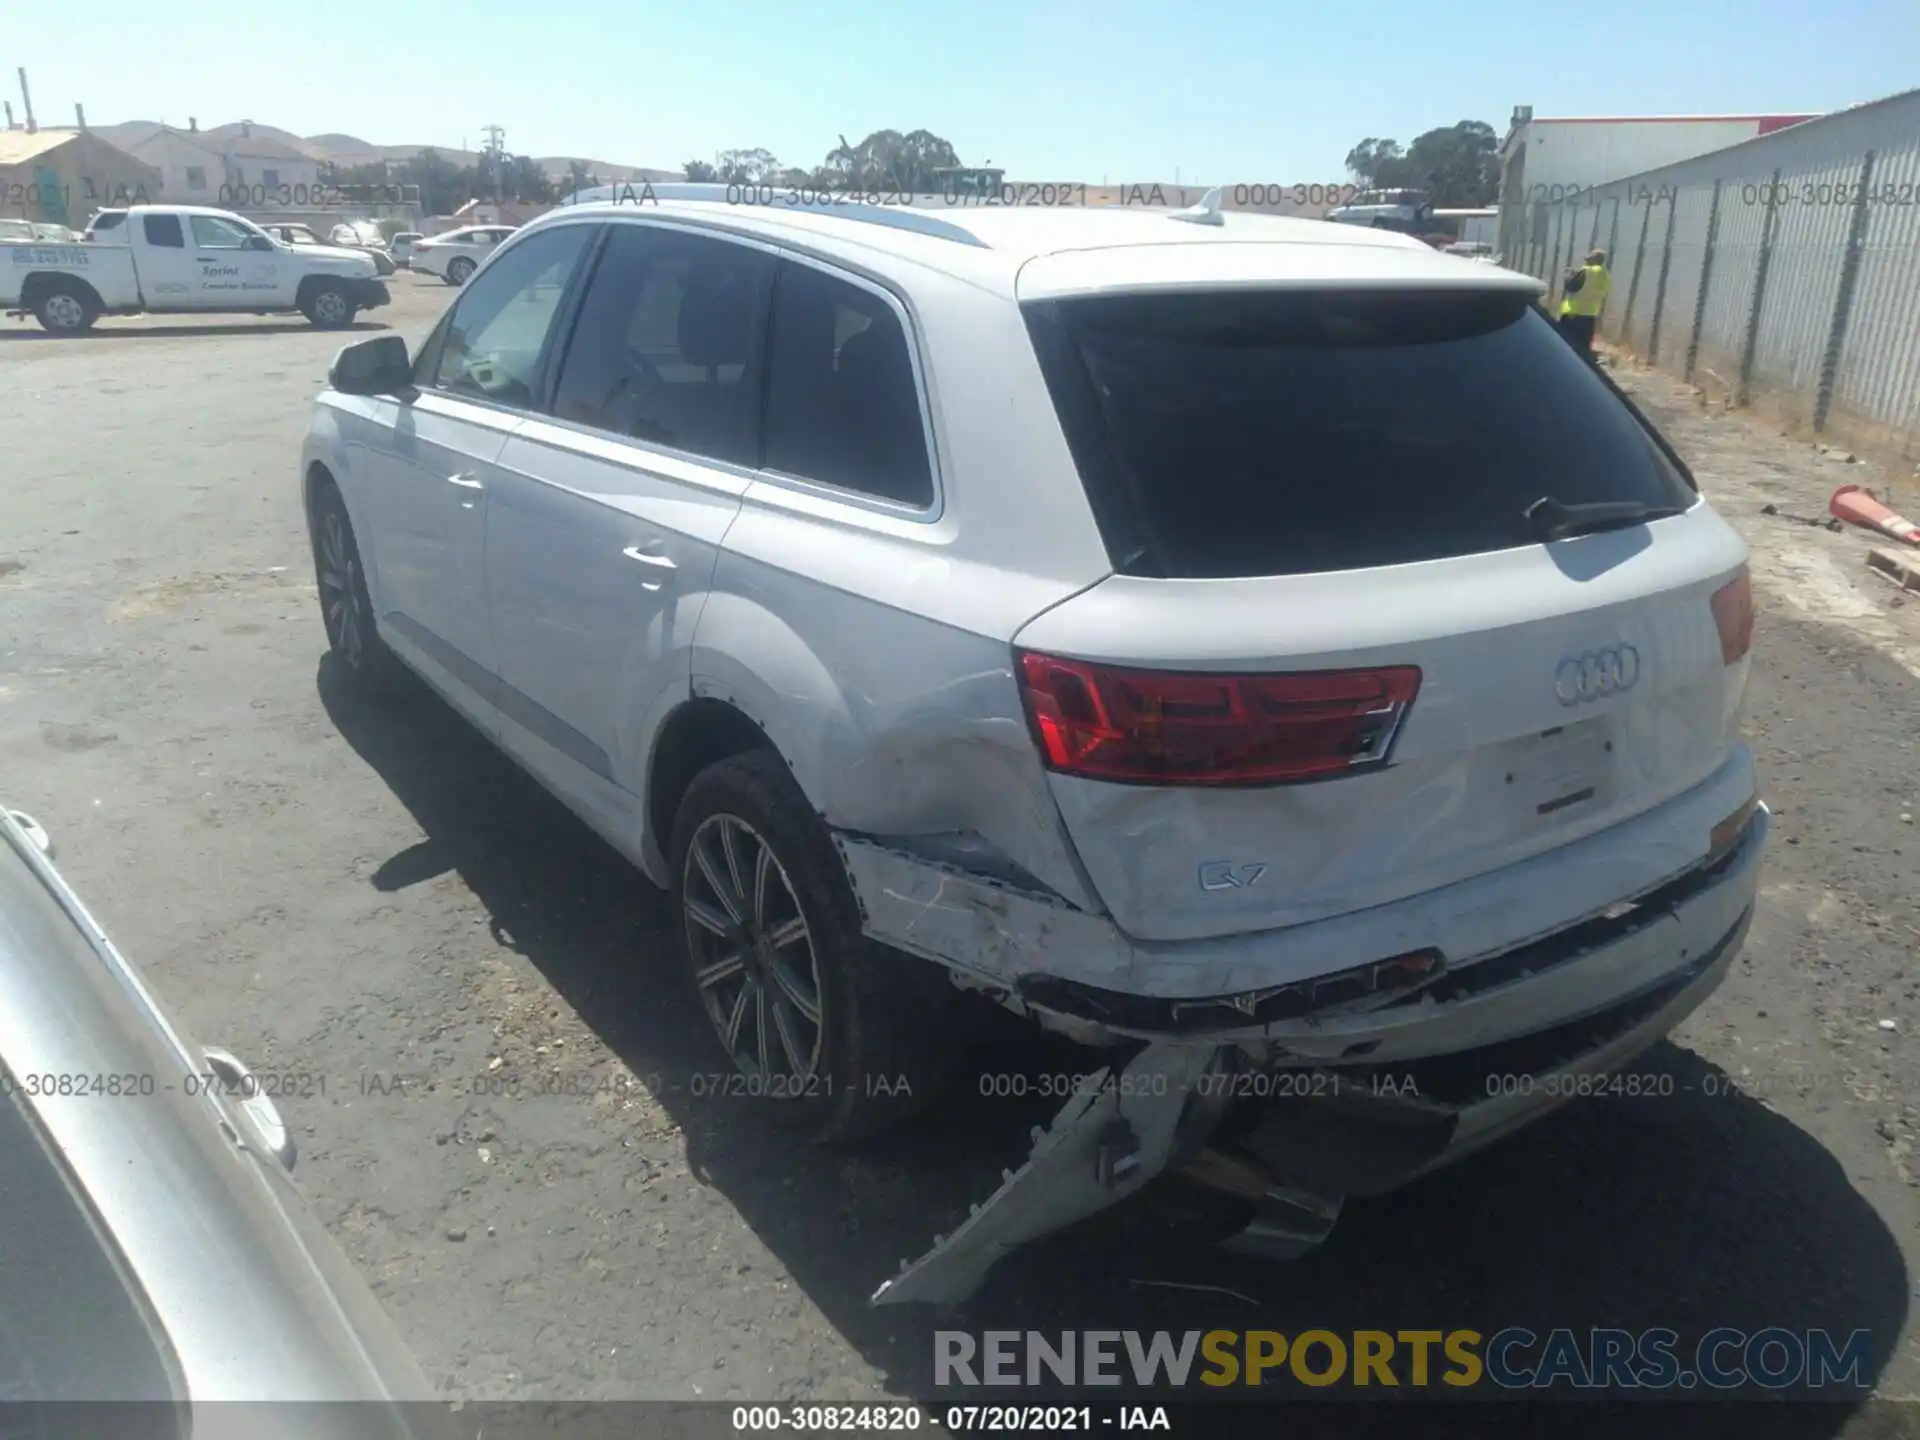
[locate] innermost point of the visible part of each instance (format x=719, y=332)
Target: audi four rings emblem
x=1581, y=678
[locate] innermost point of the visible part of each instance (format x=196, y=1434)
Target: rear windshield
x=1281, y=433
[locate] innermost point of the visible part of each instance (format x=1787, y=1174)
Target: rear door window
x=843, y=408
x=669, y=342
x=1284, y=433
x=164, y=230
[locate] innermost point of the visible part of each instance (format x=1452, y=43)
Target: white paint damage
x=1004, y=935
x=1000, y=933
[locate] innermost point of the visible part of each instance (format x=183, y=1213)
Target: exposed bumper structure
x=1294, y=1116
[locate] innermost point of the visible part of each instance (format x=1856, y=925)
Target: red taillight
x=1733, y=616
x=1168, y=727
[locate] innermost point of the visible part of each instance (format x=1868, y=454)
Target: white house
x=228, y=166
x=253, y=159
x=191, y=172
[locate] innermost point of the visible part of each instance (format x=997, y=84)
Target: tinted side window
x=498, y=334
x=668, y=346
x=842, y=407
x=164, y=230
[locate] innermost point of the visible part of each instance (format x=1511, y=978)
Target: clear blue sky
x=1246, y=90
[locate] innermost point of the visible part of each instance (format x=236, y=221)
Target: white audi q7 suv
x=1261, y=651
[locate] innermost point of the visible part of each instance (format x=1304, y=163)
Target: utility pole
x=496, y=152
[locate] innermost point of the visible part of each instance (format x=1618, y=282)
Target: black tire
x=886, y=1038
x=66, y=308
x=328, y=306
x=459, y=270
x=346, y=609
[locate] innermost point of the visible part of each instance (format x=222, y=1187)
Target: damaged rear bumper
x=1618, y=901
x=1297, y=1115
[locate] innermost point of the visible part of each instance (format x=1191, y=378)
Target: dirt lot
x=373, y=898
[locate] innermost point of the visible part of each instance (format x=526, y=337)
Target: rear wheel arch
x=45, y=282
x=699, y=733
x=885, y=1035
x=64, y=304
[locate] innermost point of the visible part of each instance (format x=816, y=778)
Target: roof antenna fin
x=1207, y=212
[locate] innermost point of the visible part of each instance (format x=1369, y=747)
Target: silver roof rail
x=896, y=217
x=1207, y=212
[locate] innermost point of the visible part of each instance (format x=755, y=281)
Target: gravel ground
x=373, y=898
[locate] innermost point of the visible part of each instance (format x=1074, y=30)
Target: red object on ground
x=1860, y=506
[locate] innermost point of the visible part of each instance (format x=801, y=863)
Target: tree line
x=1458, y=166
x=885, y=159
x=445, y=185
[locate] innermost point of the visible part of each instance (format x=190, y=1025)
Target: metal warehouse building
x=61, y=177
x=1551, y=160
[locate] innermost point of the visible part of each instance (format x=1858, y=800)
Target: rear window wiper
x=1551, y=520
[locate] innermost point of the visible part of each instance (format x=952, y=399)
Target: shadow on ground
x=1687, y=1212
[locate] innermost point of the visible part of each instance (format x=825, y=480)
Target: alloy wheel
x=66, y=312
x=340, y=591
x=753, y=955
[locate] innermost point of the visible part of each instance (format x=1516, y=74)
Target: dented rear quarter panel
x=894, y=724
x=873, y=644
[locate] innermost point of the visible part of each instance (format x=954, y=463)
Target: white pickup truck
x=183, y=259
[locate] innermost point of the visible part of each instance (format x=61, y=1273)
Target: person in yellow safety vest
x=1583, y=296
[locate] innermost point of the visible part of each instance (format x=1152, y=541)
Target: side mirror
x=259, y=242
x=377, y=366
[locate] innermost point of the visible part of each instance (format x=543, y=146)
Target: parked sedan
x=457, y=254
x=365, y=239
x=153, y=1244
x=401, y=246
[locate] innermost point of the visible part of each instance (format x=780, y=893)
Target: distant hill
x=345, y=150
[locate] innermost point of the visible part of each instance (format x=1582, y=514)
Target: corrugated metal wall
x=1787, y=267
